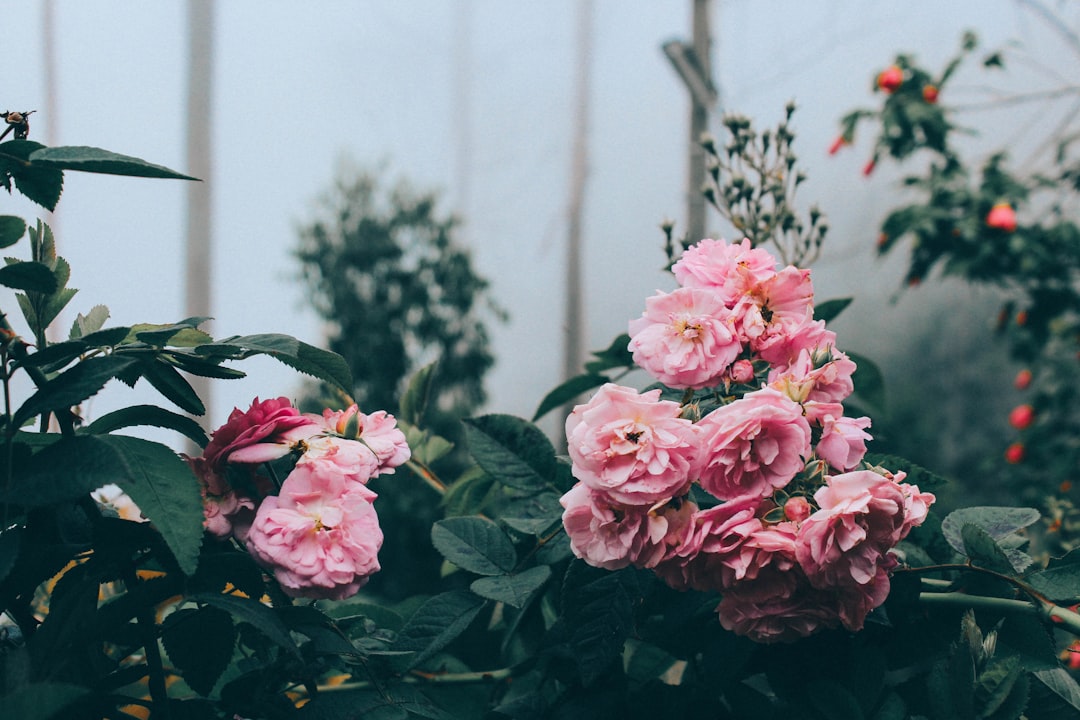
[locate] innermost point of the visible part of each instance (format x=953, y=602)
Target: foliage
x=990, y=224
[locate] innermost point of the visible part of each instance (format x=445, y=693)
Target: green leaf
x=41, y=701
x=308, y=359
x=1030, y=640
x=830, y=309
x=436, y=623
x=10, y=543
x=892, y=707
x=38, y=183
x=72, y=387
x=382, y=617
x=96, y=160
x=148, y=415
x=1061, y=580
x=182, y=334
x=200, y=644
x=165, y=491
x=983, y=550
x=916, y=474
x=29, y=276
x=261, y=617
x=170, y=383
x=513, y=451
x=567, y=391
x=646, y=661
x=617, y=355
x=475, y=544
x=995, y=683
x=535, y=514
x=833, y=701
x=415, y=399
x=11, y=230
x=514, y=590
x=56, y=303
x=597, y=618
x=869, y=382
x=998, y=522
x=1057, y=692
x=90, y=323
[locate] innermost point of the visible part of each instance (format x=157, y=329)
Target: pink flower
x=822, y=374
x=843, y=441
x=718, y=549
x=320, y=536
x=753, y=445
x=612, y=537
x=916, y=505
x=861, y=518
x=685, y=338
x=729, y=269
x=378, y=431
x=348, y=459
x=266, y=431
x=774, y=309
x=634, y=448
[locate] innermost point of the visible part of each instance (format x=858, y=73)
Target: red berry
x=930, y=93
x=1014, y=453
x=869, y=167
x=890, y=78
x=838, y=143
x=1002, y=217
x=1022, y=318
x=1022, y=416
x=1023, y=379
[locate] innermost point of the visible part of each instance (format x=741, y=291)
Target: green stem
x=1059, y=616
x=145, y=624
x=419, y=677
x=425, y=474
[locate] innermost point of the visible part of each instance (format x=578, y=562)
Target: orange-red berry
x=890, y=79
x=1014, y=453
x=1022, y=416
x=930, y=93
x=1002, y=217
x=1023, y=379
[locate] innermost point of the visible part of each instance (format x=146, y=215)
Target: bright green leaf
x=475, y=544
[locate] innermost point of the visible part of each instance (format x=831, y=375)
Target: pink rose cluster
x=316, y=531
x=797, y=529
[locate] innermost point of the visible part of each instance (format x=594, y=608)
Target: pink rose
x=266, y=431
x=728, y=269
x=753, y=445
x=773, y=310
x=819, y=375
x=843, y=441
x=685, y=339
x=916, y=505
x=861, y=518
x=320, y=536
x=633, y=448
x=612, y=537
x=716, y=551
x=378, y=431
x=350, y=460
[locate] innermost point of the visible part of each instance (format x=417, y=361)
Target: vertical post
x=463, y=107
x=573, y=327
x=198, y=114
x=699, y=124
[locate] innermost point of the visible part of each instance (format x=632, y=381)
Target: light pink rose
x=349, y=459
x=613, y=537
x=729, y=269
x=861, y=518
x=843, y=441
x=819, y=375
x=916, y=504
x=782, y=349
x=378, y=431
x=320, y=536
x=633, y=448
x=753, y=445
x=685, y=339
x=266, y=431
x=773, y=310
x=716, y=550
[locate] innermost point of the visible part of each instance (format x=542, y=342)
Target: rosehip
x=838, y=143
x=930, y=93
x=1022, y=416
x=1014, y=453
x=1022, y=318
x=797, y=508
x=890, y=78
x=1023, y=379
x=1002, y=217
x=869, y=167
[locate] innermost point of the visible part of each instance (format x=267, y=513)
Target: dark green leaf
x=833, y=701
x=998, y=522
x=983, y=550
x=381, y=616
x=148, y=415
x=55, y=356
x=29, y=276
x=107, y=338
x=1061, y=580
x=567, y=391
x=72, y=387
x=830, y=309
x=617, y=355
x=597, y=618
x=170, y=383
x=261, y=617
x=165, y=491
x=200, y=643
x=308, y=359
x=96, y=160
x=869, y=382
x=475, y=544
x=892, y=707
x=415, y=399
x=535, y=514
x=513, y=451
x=916, y=474
x=647, y=661
x=1055, y=686
x=995, y=683
x=1026, y=637
x=10, y=542
x=41, y=701
x=11, y=230
x=182, y=334
x=397, y=702
x=436, y=623
x=38, y=183
x=514, y=590
x=56, y=303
